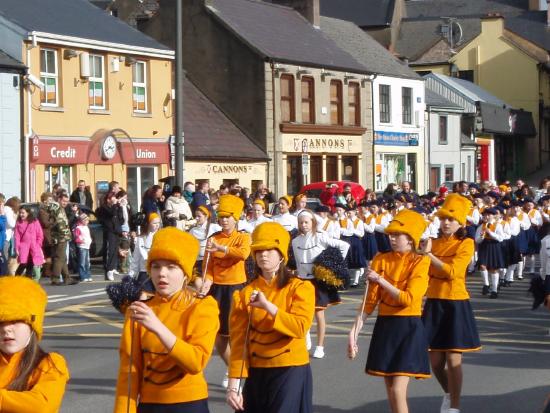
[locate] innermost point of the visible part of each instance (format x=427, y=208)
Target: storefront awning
x=506, y=121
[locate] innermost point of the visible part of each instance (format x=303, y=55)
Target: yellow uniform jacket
x=47, y=385
x=273, y=341
x=449, y=283
x=161, y=375
x=409, y=273
x=229, y=269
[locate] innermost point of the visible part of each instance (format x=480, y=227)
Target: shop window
x=411, y=169
x=254, y=184
x=294, y=178
x=354, y=104
x=139, y=86
x=59, y=174
x=315, y=168
x=406, y=99
x=49, y=76
x=332, y=168
x=287, y=98
x=443, y=130
x=349, y=168
x=308, y=100
x=138, y=180
x=384, y=103
x=449, y=174
x=96, y=91
x=336, y=102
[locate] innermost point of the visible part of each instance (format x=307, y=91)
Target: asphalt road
x=511, y=374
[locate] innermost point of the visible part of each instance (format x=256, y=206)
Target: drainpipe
x=275, y=159
x=29, y=124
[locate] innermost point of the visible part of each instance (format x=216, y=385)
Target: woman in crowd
x=109, y=215
x=178, y=210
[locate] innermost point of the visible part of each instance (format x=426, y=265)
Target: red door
x=484, y=163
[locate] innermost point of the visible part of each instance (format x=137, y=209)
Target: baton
x=245, y=350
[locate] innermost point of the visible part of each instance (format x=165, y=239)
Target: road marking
x=94, y=291
x=76, y=297
x=84, y=323
x=112, y=323
x=88, y=335
x=57, y=296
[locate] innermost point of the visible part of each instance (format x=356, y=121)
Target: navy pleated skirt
x=199, y=406
x=450, y=325
x=533, y=241
x=223, y=294
x=355, y=258
x=511, y=251
x=471, y=231
x=325, y=295
x=523, y=242
x=490, y=254
x=369, y=246
x=382, y=242
x=398, y=348
x=279, y=390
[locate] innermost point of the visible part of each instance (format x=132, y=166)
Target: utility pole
x=179, y=139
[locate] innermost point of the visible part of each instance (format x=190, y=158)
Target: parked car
x=96, y=230
x=314, y=190
x=311, y=203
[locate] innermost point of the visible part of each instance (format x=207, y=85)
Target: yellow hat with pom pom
x=230, y=206
x=268, y=236
x=22, y=299
x=410, y=223
x=456, y=207
x=172, y=244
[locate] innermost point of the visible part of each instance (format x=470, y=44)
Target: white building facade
x=398, y=112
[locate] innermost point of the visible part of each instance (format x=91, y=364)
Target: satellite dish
x=451, y=30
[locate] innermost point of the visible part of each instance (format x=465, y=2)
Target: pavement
x=510, y=374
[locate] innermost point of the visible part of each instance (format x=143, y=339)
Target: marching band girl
x=383, y=219
x=307, y=246
x=276, y=310
x=285, y=218
x=167, y=341
x=448, y=316
x=512, y=255
x=258, y=208
x=489, y=235
x=533, y=239
x=352, y=231
x=369, y=239
x=397, y=282
x=326, y=223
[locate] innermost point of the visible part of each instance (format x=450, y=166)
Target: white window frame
x=380, y=86
x=139, y=190
x=97, y=80
x=140, y=84
x=48, y=172
x=49, y=75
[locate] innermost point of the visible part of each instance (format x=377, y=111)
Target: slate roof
x=463, y=8
x=469, y=90
x=282, y=34
x=364, y=13
x=416, y=37
x=365, y=49
x=436, y=100
x=76, y=18
x=530, y=25
x=209, y=134
x=9, y=62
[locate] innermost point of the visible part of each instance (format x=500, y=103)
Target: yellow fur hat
x=230, y=206
x=260, y=202
x=408, y=222
x=22, y=299
x=456, y=207
x=172, y=244
x=270, y=235
x=287, y=199
x=204, y=209
x=152, y=216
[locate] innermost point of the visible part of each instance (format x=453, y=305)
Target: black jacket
x=75, y=198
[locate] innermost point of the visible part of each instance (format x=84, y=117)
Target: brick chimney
x=310, y=9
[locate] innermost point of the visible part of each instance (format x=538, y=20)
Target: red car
x=322, y=191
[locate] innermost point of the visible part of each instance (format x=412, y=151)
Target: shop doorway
x=396, y=168
x=294, y=177
x=59, y=174
x=138, y=180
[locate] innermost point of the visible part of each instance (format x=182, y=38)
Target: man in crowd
x=61, y=235
x=82, y=195
x=200, y=197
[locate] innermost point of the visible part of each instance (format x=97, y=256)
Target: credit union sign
x=321, y=144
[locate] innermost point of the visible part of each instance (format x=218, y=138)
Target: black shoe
x=493, y=295
x=71, y=281
x=485, y=290
x=56, y=283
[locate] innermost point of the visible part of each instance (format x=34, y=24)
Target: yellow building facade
x=96, y=112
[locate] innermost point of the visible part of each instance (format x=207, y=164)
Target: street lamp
x=179, y=139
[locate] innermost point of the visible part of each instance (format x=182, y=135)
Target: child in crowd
x=28, y=244
x=83, y=240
